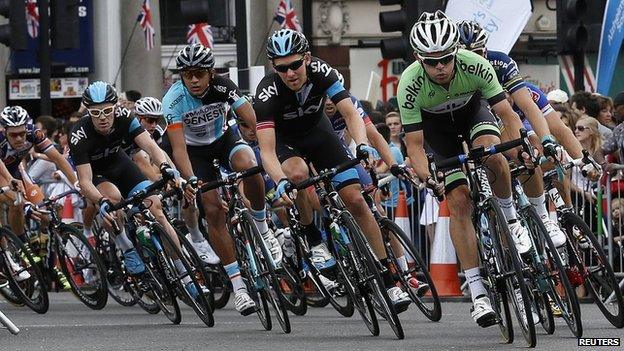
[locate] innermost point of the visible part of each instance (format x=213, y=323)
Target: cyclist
x=443, y=98
x=289, y=105
x=16, y=140
x=106, y=173
x=149, y=112
x=196, y=108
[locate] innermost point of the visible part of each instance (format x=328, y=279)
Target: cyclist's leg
x=88, y=215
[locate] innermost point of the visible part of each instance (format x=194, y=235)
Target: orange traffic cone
x=443, y=264
x=401, y=218
x=67, y=212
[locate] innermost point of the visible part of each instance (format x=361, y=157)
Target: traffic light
x=402, y=21
x=579, y=25
x=65, y=24
x=14, y=34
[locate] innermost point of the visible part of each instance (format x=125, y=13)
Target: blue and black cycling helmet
x=472, y=36
x=286, y=42
x=98, y=93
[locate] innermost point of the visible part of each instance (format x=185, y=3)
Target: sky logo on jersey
x=318, y=66
x=77, y=135
x=300, y=112
x=267, y=92
x=412, y=91
x=478, y=70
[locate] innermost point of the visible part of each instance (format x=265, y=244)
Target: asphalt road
x=69, y=325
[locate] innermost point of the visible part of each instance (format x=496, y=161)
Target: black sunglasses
x=292, y=66
x=433, y=61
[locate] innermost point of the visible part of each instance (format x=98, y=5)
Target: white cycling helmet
x=148, y=107
x=434, y=32
x=14, y=116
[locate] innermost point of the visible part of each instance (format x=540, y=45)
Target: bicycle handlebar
x=230, y=179
x=140, y=195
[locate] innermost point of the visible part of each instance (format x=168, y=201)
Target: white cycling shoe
x=557, y=236
x=274, y=246
x=520, y=236
x=16, y=267
x=399, y=298
x=482, y=312
x=204, y=251
x=243, y=303
x=321, y=257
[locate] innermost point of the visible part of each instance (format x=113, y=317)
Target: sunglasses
x=581, y=128
x=105, y=112
x=434, y=61
x=150, y=120
x=291, y=66
x=199, y=73
x=17, y=135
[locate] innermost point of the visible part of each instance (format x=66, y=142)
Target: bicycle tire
x=200, y=268
x=164, y=294
x=291, y=288
x=569, y=303
x=268, y=275
x=511, y=264
x=599, y=283
x=97, y=299
x=375, y=284
x=221, y=285
x=544, y=310
x=342, y=252
x=199, y=304
x=31, y=291
x=10, y=296
x=433, y=313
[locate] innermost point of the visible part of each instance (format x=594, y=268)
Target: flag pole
x=266, y=35
x=123, y=57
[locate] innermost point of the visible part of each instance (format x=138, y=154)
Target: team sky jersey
x=506, y=71
x=295, y=112
x=34, y=137
x=539, y=98
x=87, y=146
x=340, y=125
x=131, y=148
x=418, y=96
x=204, y=119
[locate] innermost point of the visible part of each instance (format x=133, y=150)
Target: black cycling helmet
x=286, y=42
x=99, y=92
x=195, y=56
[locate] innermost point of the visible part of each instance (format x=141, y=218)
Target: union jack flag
x=287, y=18
x=145, y=20
x=200, y=33
x=32, y=18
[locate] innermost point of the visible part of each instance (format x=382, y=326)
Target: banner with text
x=503, y=19
x=610, y=42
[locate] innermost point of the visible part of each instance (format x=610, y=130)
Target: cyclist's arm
x=509, y=117
x=178, y=145
x=416, y=153
x=147, y=144
x=355, y=125
x=522, y=98
x=62, y=164
x=142, y=160
x=88, y=189
x=270, y=162
x=564, y=135
x=4, y=172
x=380, y=144
x=247, y=114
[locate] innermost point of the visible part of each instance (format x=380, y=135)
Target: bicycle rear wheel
x=591, y=265
x=291, y=288
x=430, y=306
x=30, y=290
x=162, y=291
x=511, y=268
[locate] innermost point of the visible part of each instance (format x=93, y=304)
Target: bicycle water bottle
x=143, y=234
x=486, y=240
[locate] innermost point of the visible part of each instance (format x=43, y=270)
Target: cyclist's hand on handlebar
x=552, y=149
x=107, y=216
x=169, y=172
x=30, y=211
x=436, y=186
x=190, y=189
x=284, y=193
x=592, y=170
x=364, y=152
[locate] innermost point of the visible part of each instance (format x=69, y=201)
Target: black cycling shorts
x=123, y=173
x=202, y=157
x=320, y=146
x=444, y=136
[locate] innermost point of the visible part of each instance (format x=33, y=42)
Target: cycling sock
x=539, y=204
x=509, y=210
x=387, y=276
x=473, y=277
x=402, y=262
x=181, y=270
x=123, y=242
x=260, y=219
x=196, y=234
x=312, y=234
x=233, y=271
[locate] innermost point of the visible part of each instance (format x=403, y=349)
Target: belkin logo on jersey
x=479, y=70
x=412, y=91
